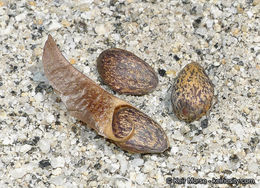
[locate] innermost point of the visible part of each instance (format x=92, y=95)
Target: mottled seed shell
x=148, y=137
x=192, y=93
x=126, y=73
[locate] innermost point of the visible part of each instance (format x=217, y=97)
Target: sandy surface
x=41, y=145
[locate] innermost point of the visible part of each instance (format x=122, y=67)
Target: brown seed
x=192, y=93
x=126, y=73
x=148, y=135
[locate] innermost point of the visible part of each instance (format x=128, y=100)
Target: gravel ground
x=41, y=145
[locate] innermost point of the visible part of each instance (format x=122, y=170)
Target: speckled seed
x=192, y=93
x=148, y=137
x=126, y=73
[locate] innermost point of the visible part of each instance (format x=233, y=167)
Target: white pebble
x=160, y=179
x=25, y=148
x=7, y=140
x=209, y=23
x=86, y=70
x=114, y=167
x=119, y=183
x=174, y=149
x=57, y=180
x=22, y=171
x=6, y=30
x=20, y=17
x=123, y=164
x=148, y=166
x=227, y=3
x=216, y=12
x=101, y=29
x=137, y=162
x=253, y=167
x=238, y=129
x=2, y=184
x=201, y=31
x=50, y=118
x=178, y=136
x=116, y=37
x=216, y=63
x=18, y=173
x=250, y=14
x=28, y=109
x=54, y=26
x=154, y=158
x=140, y=178
x=88, y=1
x=1, y=165
x=39, y=97
x=70, y=185
x=57, y=162
x=57, y=171
x=86, y=15
x=44, y=145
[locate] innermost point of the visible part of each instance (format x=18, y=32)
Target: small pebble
x=44, y=163
x=140, y=178
x=101, y=29
x=57, y=162
x=253, y=167
x=123, y=165
x=18, y=173
x=57, y=180
x=39, y=97
x=25, y=148
x=176, y=57
x=174, y=150
x=54, y=26
x=177, y=136
x=123, y=184
x=20, y=17
x=204, y=123
x=57, y=171
x=137, y=162
x=162, y=72
x=22, y=171
x=237, y=129
x=114, y=167
x=44, y=145
x=50, y=118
